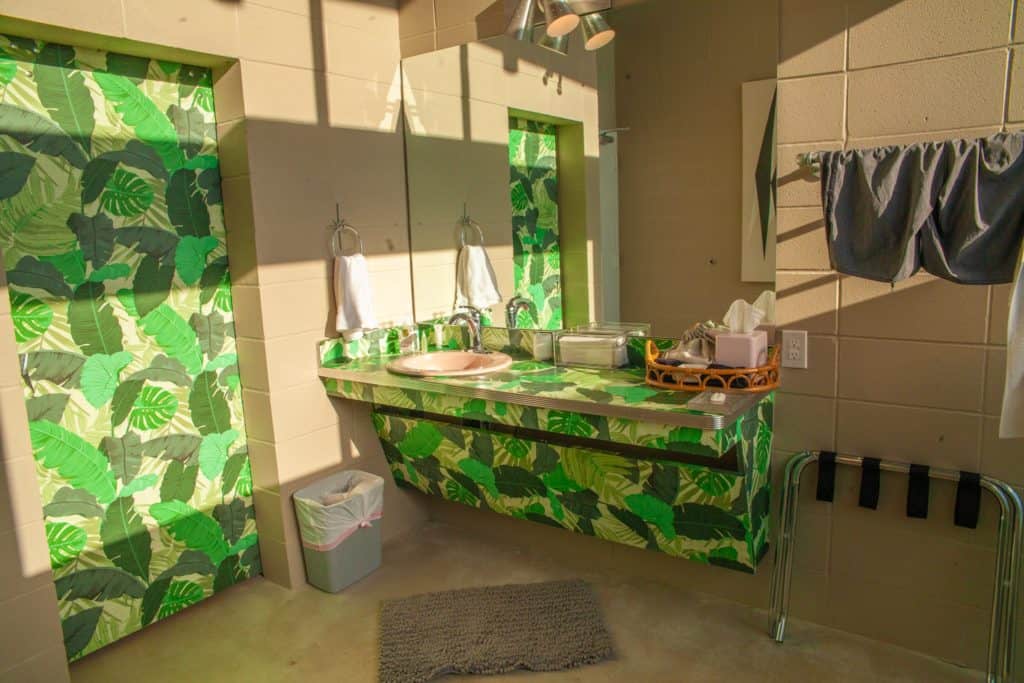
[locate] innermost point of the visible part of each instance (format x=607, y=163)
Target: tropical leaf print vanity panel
x=113, y=239
x=710, y=514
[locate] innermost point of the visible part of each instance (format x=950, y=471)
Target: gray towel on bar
x=954, y=208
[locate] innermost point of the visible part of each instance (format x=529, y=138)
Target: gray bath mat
x=536, y=626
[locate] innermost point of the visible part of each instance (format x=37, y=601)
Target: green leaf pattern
x=704, y=513
x=126, y=194
x=154, y=407
x=66, y=541
x=101, y=376
x=113, y=239
x=31, y=317
x=533, y=192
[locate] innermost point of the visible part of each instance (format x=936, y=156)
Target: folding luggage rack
x=969, y=485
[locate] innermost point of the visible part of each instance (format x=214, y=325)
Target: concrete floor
x=259, y=632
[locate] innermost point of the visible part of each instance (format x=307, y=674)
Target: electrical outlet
x=794, y=349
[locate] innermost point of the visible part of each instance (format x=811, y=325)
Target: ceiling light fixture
x=559, y=44
x=596, y=32
x=561, y=20
x=521, y=25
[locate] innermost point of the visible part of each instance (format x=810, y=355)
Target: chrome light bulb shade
x=559, y=44
x=520, y=26
x=596, y=32
x=561, y=20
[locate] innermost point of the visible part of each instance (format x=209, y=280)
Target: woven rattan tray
x=740, y=380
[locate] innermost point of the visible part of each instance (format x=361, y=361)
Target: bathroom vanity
x=597, y=452
x=513, y=150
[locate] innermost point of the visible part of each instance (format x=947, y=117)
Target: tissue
x=766, y=304
x=742, y=317
x=743, y=346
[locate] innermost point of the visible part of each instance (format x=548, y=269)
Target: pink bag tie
x=323, y=547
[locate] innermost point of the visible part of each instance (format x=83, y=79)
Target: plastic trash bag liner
x=334, y=508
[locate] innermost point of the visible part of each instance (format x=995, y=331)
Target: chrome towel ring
x=467, y=222
x=340, y=227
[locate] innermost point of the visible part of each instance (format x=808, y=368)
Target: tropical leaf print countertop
x=611, y=393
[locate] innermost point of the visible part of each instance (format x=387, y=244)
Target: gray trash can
x=339, y=521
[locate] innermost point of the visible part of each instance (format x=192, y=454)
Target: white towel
x=475, y=282
x=353, y=296
x=1011, y=423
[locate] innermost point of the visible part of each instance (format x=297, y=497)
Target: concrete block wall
x=31, y=646
x=912, y=372
x=427, y=25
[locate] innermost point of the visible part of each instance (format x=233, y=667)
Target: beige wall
x=679, y=69
x=426, y=25
x=308, y=115
x=457, y=108
x=910, y=373
x=31, y=644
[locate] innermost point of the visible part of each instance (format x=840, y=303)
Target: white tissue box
x=741, y=349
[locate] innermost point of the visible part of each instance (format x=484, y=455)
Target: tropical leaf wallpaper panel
x=533, y=167
x=113, y=241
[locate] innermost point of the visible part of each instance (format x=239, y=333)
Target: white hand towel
x=1011, y=423
x=353, y=296
x=475, y=282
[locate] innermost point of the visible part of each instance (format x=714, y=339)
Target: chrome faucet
x=471, y=317
x=512, y=308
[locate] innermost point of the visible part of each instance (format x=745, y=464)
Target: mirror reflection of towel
x=475, y=282
x=353, y=296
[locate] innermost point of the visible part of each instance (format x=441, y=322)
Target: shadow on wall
x=458, y=104
x=341, y=140
x=362, y=167
x=819, y=26
x=878, y=391
x=679, y=70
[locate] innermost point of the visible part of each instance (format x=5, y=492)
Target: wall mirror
x=598, y=188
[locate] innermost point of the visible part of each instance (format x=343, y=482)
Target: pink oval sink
x=450, y=364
